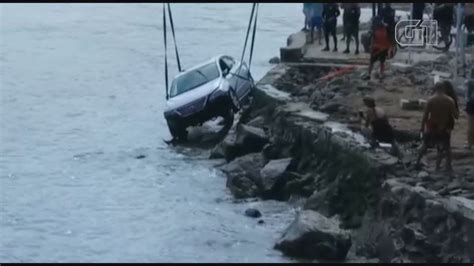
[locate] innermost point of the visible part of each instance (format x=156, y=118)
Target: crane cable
x=254, y=11
x=165, y=44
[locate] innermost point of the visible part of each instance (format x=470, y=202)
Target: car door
x=240, y=76
x=228, y=72
x=246, y=83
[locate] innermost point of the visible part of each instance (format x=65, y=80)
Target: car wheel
x=177, y=130
x=234, y=100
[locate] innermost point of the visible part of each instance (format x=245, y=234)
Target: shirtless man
x=435, y=126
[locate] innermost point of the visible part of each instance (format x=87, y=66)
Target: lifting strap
x=166, y=53
x=174, y=37
x=165, y=44
x=253, y=36
x=248, y=31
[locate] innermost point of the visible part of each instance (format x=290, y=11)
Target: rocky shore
x=298, y=141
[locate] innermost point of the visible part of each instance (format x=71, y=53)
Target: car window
x=194, y=78
x=229, y=62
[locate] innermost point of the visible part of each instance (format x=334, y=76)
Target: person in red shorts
x=381, y=45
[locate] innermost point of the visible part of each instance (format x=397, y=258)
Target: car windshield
x=194, y=78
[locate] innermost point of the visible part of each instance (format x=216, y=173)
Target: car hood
x=192, y=95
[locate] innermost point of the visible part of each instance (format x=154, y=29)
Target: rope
x=166, y=57
x=174, y=37
x=248, y=31
x=245, y=44
x=253, y=36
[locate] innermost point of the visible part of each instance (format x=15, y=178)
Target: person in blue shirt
x=316, y=20
x=307, y=15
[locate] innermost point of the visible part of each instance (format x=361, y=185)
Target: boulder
x=251, y=139
x=273, y=172
x=227, y=149
x=330, y=107
x=243, y=175
x=314, y=236
x=319, y=201
x=253, y=213
x=245, y=140
x=241, y=186
x=271, y=151
x=258, y=121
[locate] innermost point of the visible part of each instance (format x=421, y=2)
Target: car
x=215, y=88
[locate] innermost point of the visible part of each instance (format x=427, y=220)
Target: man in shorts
x=381, y=46
x=307, y=16
x=351, y=25
x=330, y=14
x=317, y=21
x=435, y=126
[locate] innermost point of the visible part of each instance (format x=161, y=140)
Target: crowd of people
x=323, y=18
x=442, y=109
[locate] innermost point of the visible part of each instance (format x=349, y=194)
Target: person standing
x=351, y=26
x=417, y=11
x=443, y=13
x=344, y=7
x=435, y=125
x=388, y=17
x=330, y=14
x=317, y=21
x=307, y=16
x=470, y=112
x=381, y=46
x=469, y=17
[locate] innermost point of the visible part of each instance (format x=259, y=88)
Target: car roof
x=212, y=60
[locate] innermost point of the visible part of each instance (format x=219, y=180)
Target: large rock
x=251, y=139
x=243, y=175
x=319, y=201
x=245, y=140
x=314, y=236
x=273, y=172
x=227, y=149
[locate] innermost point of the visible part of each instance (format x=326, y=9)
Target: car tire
x=177, y=130
x=234, y=100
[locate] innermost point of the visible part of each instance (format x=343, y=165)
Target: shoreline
x=285, y=147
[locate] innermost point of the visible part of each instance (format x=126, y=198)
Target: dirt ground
x=347, y=91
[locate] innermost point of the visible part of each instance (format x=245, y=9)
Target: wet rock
x=140, y=157
x=271, y=151
x=331, y=107
x=272, y=173
x=423, y=175
x=314, y=236
x=274, y=60
x=319, y=201
x=298, y=185
x=251, y=139
x=227, y=149
x=253, y=213
x=243, y=175
x=258, y=122
x=261, y=221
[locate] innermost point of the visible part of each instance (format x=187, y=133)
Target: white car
x=212, y=89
